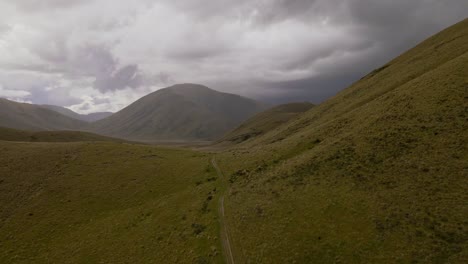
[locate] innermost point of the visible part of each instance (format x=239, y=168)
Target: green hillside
x=9, y=134
x=377, y=174
x=265, y=121
x=106, y=202
x=180, y=112
x=34, y=117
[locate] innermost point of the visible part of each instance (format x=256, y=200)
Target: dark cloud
x=56, y=96
x=275, y=50
x=127, y=76
x=38, y=5
x=4, y=28
x=313, y=89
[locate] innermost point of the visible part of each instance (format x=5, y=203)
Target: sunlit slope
x=265, y=121
x=34, y=117
x=106, y=203
x=376, y=174
x=180, y=112
x=9, y=134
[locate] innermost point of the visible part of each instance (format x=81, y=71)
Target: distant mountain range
x=93, y=117
x=375, y=174
x=184, y=112
x=34, y=117
x=180, y=112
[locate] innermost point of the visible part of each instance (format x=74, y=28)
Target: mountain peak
x=180, y=112
x=190, y=89
x=186, y=86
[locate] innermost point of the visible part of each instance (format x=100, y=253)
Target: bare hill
x=33, y=117
x=180, y=112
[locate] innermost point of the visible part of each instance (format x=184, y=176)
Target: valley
x=375, y=174
x=112, y=202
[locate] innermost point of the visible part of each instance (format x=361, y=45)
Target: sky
x=101, y=55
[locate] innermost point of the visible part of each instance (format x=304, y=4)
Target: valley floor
x=107, y=202
x=111, y=202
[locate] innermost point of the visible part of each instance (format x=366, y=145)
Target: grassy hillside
x=33, y=117
x=376, y=174
x=9, y=134
x=87, y=118
x=106, y=203
x=181, y=112
x=265, y=121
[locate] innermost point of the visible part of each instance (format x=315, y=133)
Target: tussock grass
x=376, y=174
x=106, y=202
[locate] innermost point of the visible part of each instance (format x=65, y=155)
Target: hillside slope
x=108, y=202
x=33, y=117
x=180, y=112
x=9, y=134
x=265, y=121
x=92, y=117
x=377, y=174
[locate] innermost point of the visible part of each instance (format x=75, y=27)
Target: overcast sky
x=101, y=55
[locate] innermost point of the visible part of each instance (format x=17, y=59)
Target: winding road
x=222, y=220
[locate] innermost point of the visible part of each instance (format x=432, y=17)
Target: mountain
x=33, y=117
x=93, y=117
x=376, y=174
x=265, y=121
x=180, y=112
x=87, y=118
x=10, y=134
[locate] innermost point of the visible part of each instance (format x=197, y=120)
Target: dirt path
x=224, y=230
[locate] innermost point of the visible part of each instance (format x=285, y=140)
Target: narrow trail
x=224, y=230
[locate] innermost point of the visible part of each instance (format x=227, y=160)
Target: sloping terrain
x=106, y=203
x=377, y=174
x=265, y=121
x=34, y=117
x=93, y=117
x=87, y=118
x=9, y=134
x=180, y=112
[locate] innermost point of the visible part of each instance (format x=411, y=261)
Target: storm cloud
x=100, y=55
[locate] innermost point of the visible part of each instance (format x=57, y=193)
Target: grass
x=95, y=202
x=9, y=134
x=376, y=174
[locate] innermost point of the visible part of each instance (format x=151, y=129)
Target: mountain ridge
x=179, y=112
x=380, y=168
x=91, y=117
x=25, y=116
